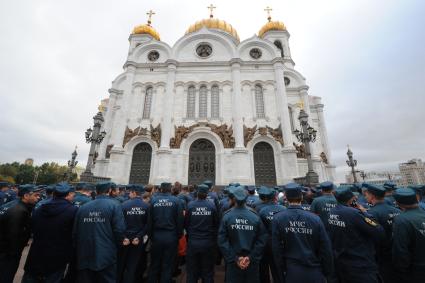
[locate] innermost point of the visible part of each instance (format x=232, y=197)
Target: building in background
x=375, y=177
x=210, y=107
x=412, y=172
x=29, y=162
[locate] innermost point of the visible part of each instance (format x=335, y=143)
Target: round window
x=153, y=56
x=204, y=50
x=255, y=53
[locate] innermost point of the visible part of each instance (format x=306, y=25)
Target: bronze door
x=141, y=164
x=264, y=167
x=201, y=162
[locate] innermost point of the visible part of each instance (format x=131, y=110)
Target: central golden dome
x=212, y=23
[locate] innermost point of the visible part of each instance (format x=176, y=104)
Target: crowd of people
x=81, y=232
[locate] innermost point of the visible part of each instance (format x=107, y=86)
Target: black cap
x=343, y=194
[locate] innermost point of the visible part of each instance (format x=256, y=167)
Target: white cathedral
x=210, y=107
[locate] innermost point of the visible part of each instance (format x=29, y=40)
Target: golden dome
x=146, y=29
x=212, y=23
x=271, y=25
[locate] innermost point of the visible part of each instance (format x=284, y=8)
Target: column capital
x=277, y=62
x=171, y=63
x=303, y=89
x=131, y=68
x=235, y=62
x=115, y=91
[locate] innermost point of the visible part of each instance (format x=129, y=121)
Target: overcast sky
x=364, y=58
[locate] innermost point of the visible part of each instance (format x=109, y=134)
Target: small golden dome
x=146, y=29
x=212, y=23
x=271, y=25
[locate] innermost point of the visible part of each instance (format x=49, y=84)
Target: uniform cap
x=343, y=194
x=419, y=189
x=250, y=188
x=4, y=184
x=81, y=186
x=28, y=188
x=234, y=184
x=327, y=186
x=208, y=183
x=203, y=188
x=49, y=189
x=405, y=196
x=63, y=188
x=240, y=194
x=264, y=191
x=389, y=186
x=374, y=189
x=231, y=191
x=165, y=186
x=293, y=190
x=105, y=186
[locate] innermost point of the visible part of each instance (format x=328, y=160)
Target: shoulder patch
x=370, y=221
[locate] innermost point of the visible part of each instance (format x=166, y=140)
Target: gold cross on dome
x=211, y=8
x=150, y=14
x=268, y=10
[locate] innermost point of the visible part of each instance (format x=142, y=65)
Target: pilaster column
x=283, y=107
x=236, y=103
x=323, y=131
x=168, y=105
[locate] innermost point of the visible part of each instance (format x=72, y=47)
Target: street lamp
x=352, y=163
x=71, y=165
x=306, y=135
x=94, y=137
x=363, y=175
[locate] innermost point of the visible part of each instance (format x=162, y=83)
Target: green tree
x=25, y=174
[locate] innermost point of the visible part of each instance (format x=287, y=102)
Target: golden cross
x=150, y=14
x=211, y=8
x=268, y=10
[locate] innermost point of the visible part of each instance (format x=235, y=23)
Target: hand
x=126, y=242
x=135, y=241
x=243, y=262
x=361, y=208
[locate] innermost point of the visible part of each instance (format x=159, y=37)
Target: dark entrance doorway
x=264, y=167
x=141, y=164
x=201, y=162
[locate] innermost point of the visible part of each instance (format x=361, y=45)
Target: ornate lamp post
x=352, y=163
x=363, y=175
x=94, y=137
x=307, y=135
x=71, y=165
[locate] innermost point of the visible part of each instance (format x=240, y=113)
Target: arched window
x=259, y=101
x=279, y=45
x=191, y=98
x=215, y=102
x=148, y=103
x=203, y=98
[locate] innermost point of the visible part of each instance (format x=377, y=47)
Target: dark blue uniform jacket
x=299, y=237
x=136, y=215
x=201, y=224
x=322, y=206
x=80, y=199
x=98, y=231
x=51, y=248
x=242, y=233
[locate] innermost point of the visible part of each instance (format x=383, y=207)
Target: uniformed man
x=252, y=198
x=420, y=195
x=267, y=263
x=212, y=196
x=15, y=231
x=51, y=249
x=384, y=214
x=301, y=247
x=201, y=225
x=389, y=187
x=98, y=233
x=165, y=228
x=409, y=238
x=48, y=190
x=264, y=194
x=136, y=215
x=82, y=194
x=241, y=239
x=323, y=204
x=353, y=234
x=4, y=187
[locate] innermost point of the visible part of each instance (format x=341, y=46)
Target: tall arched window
x=215, y=102
x=203, y=105
x=259, y=101
x=191, y=98
x=279, y=45
x=148, y=103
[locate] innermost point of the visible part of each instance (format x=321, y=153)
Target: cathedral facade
x=210, y=107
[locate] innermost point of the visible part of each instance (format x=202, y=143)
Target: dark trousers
x=298, y=273
x=388, y=272
x=128, y=263
x=54, y=277
x=200, y=264
x=236, y=275
x=9, y=264
x=348, y=274
x=267, y=264
x=163, y=254
x=106, y=275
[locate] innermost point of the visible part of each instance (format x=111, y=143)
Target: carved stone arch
x=277, y=147
x=202, y=133
x=296, y=78
x=119, y=80
x=205, y=34
x=161, y=46
x=265, y=170
x=255, y=41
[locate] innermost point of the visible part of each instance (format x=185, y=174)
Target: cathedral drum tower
x=210, y=107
